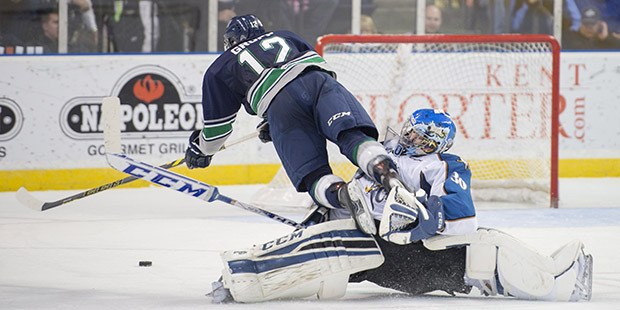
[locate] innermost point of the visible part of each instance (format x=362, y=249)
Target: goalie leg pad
x=313, y=261
x=575, y=283
x=498, y=263
x=480, y=263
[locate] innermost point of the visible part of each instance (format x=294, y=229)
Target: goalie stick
x=166, y=178
x=28, y=200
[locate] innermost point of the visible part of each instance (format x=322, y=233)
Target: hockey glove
x=407, y=218
x=263, y=131
x=194, y=158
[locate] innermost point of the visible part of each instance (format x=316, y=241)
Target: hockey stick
x=166, y=178
x=184, y=184
x=28, y=200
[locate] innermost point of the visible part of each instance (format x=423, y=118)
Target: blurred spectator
x=227, y=9
x=367, y=25
x=609, y=11
x=161, y=25
x=271, y=12
x=341, y=23
x=611, y=14
x=83, y=30
x=432, y=22
x=49, y=32
x=134, y=25
x=530, y=16
x=593, y=33
x=19, y=21
x=179, y=22
x=308, y=18
x=485, y=16
x=443, y=4
x=311, y=18
x=571, y=16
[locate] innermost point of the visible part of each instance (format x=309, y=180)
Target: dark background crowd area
x=145, y=26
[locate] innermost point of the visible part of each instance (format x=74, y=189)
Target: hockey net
x=501, y=91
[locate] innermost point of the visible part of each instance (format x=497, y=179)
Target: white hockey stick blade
x=111, y=120
x=25, y=198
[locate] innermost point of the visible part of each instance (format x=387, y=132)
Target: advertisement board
x=51, y=135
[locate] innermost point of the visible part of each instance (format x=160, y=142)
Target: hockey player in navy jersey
x=428, y=242
x=281, y=79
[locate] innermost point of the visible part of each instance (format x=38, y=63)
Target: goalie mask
x=242, y=28
x=427, y=131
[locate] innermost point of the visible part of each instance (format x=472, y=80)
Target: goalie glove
x=263, y=131
x=407, y=218
x=194, y=158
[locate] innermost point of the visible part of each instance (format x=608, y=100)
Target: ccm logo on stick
x=164, y=180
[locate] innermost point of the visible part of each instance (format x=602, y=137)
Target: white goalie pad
x=315, y=261
x=498, y=263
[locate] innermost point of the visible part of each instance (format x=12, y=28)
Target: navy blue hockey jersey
x=250, y=74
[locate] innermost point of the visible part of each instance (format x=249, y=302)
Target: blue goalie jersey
x=251, y=74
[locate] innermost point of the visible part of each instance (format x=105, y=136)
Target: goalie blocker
x=321, y=259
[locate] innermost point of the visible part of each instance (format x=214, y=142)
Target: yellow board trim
x=67, y=179
x=63, y=179
x=589, y=168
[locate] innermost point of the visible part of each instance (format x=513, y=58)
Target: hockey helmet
x=242, y=28
x=427, y=131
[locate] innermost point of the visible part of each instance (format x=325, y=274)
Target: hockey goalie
x=425, y=242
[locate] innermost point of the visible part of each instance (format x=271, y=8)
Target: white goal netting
x=501, y=91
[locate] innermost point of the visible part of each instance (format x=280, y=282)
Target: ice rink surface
x=84, y=255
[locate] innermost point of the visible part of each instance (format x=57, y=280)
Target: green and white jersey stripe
x=215, y=132
x=272, y=80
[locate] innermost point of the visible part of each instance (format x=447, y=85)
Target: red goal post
x=501, y=90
